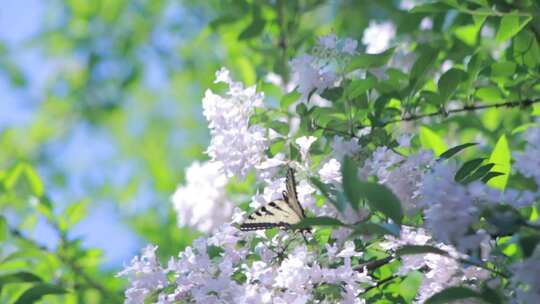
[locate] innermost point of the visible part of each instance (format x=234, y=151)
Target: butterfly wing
x=277, y=213
x=292, y=195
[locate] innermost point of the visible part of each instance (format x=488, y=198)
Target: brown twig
x=374, y=264
x=442, y=112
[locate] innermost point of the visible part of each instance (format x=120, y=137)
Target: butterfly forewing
x=292, y=194
x=277, y=213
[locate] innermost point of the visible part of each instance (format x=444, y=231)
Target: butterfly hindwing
x=277, y=213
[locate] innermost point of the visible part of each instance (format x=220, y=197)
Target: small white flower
x=330, y=172
x=202, y=202
x=377, y=36
x=305, y=143
x=426, y=24
x=234, y=143
x=145, y=275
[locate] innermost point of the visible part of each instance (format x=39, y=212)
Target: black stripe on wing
x=261, y=226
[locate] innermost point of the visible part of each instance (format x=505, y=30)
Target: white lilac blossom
x=314, y=73
x=342, y=147
x=426, y=24
x=450, y=210
x=402, y=175
x=145, y=275
x=305, y=143
x=377, y=36
x=311, y=77
x=525, y=278
x=201, y=274
x=441, y=271
x=267, y=169
x=528, y=162
x=202, y=202
x=330, y=172
x=235, y=144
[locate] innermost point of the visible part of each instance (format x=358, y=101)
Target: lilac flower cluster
x=230, y=266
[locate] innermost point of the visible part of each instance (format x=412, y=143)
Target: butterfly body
x=282, y=213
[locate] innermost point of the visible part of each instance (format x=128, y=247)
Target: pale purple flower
x=310, y=77
x=349, y=46
x=342, y=147
x=145, y=275
x=526, y=278
x=528, y=162
x=328, y=41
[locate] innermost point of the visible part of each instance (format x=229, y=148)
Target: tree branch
x=374, y=264
x=510, y=104
x=443, y=112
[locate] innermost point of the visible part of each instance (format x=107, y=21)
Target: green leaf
x=255, y=28
x=528, y=243
x=452, y=294
x=288, y=99
x=74, y=213
x=435, y=7
x=449, y=82
x=318, y=221
x=419, y=249
x=454, y=150
x=332, y=94
x=381, y=198
x=24, y=172
x=468, y=33
x=468, y=168
x=430, y=140
x=216, y=251
x=371, y=229
x=322, y=235
x=3, y=228
x=326, y=191
x=359, y=86
x=408, y=288
x=18, y=277
x=491, y=175
x=35, y=182
x=366, y=61
x=503, y=69
x=36, y=292
x=501, y=158
x=511, y=25
x=422, y=65
x=479, y=173
x=378, y=197
x=525, y=49
x=349, y=172
x=489, y=94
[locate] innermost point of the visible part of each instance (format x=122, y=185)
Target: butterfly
x=282, y=213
